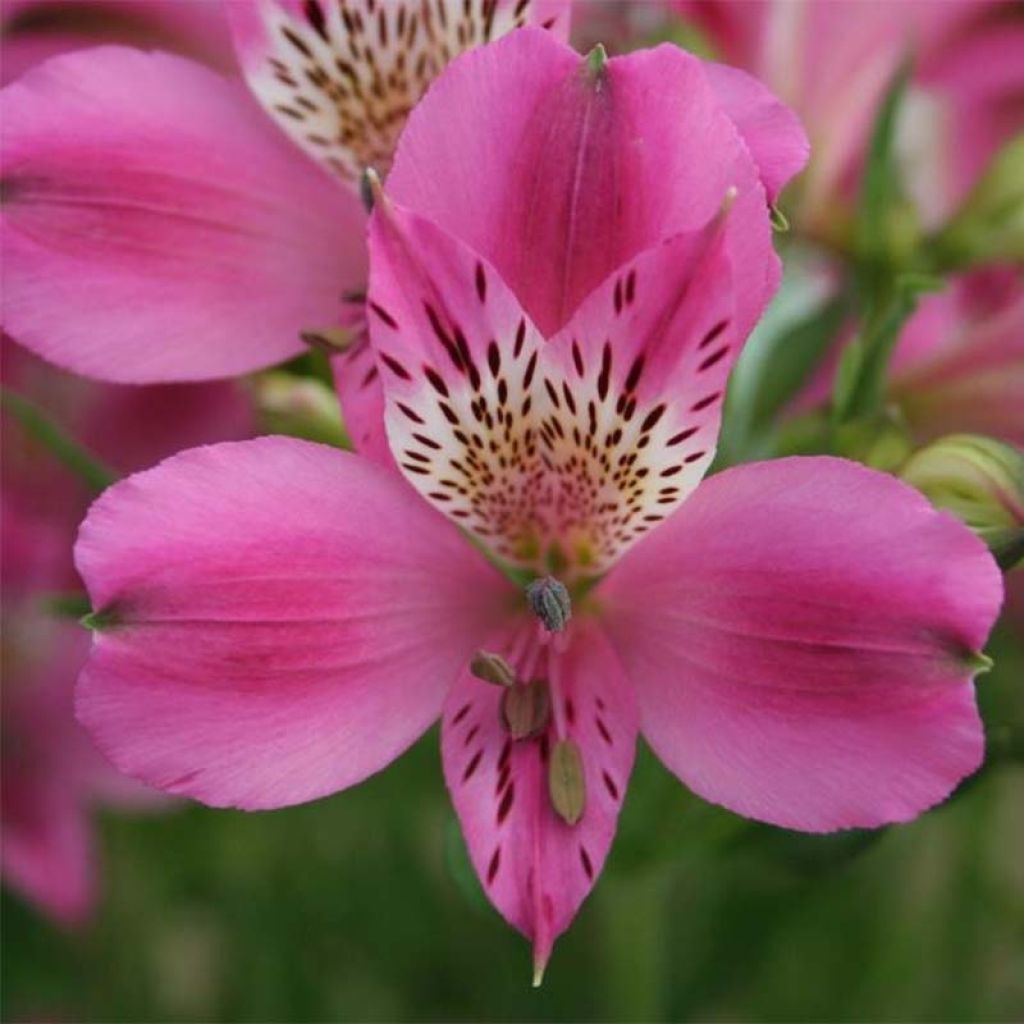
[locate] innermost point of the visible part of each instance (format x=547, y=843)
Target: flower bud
x=566, y=783
x=300, y=407
x=880, y=441
x=525, y=709
x=981, y=482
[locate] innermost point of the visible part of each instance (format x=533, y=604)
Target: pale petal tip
x=978, y=663
x=539, y=967
x=596, y=60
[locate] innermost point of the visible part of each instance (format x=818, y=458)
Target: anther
x=525, y=709
x=549, y=601
x=492, y=668
x=566, y=783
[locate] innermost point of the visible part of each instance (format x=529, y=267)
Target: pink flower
x=32, y=31
x=832, y=62
x=958, y=366
x=795, y=639
x=52, y=774
x=156, y=225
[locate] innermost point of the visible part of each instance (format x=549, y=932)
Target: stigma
x=549, y=601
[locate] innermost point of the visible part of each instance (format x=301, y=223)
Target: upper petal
x=802, y=636
x=771, y=130
x=284, y=619
x=341, y=78
x=552, y=452
x=564, y=170
x=154, y=226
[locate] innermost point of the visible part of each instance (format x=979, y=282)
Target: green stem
x=74, y=456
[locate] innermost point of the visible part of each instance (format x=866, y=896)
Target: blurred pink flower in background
x=53, y=776
x=32, y=31
x=149, y=176
x=832, y=61
x=280, y=620
x=959, y=364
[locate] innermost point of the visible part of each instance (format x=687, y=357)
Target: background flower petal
x=154, y=226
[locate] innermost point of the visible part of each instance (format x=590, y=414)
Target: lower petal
x=282, y=620
x=535, y=867
x=802, y=635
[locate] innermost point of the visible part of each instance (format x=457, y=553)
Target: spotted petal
x=534, y=866
x=556, y=452
x=340, y=76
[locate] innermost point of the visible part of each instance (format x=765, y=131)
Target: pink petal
x=962, y=374
x=770, y=129
x=156, y=229
x=357, y=381
x=652, y=349
x=46, y=848
x=341, y=79
x=578, y=446
x=564, y=173
x=49, y=765
x=802, y=636
x=287, y=619
x=535, y=868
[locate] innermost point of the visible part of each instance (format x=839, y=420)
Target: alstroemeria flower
x=958, y=366
x=832, y=62
x=156, y=224
x=53, y=777
x=560, y=176
x=796, y=639
x=959, y=363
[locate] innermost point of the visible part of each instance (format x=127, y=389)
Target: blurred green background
x=362, y=907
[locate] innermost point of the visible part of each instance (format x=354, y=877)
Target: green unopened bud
x=981, y=482
x=989, y=227
x=300, y=407
x=525, y=709
x=492, y=668
x=881, y=441
x=567, y=786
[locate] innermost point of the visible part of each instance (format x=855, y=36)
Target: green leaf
x=86, y=466
x=779, y=360
x=860, y=384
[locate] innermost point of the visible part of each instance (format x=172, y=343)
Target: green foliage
x=75, y=457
